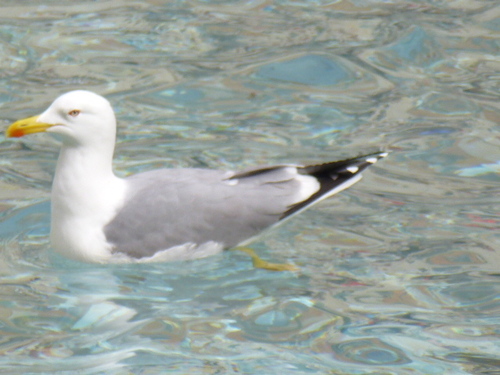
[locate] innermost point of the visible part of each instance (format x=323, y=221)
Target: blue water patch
x=414, y=46
x=34, y=217
x=369, y=352
x=450, y=105
x=315, y=70
x=181, y=95
x=417, y=48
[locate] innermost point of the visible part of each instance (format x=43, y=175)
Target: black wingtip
x=352, y=165
x=334, y=176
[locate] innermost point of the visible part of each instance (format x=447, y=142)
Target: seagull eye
x=74, y=112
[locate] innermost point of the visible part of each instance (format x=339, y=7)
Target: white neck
x=81, y=174
x=85, y=196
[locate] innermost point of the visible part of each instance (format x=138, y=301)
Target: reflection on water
x=398, y=275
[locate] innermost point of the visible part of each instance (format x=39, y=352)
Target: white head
x=81, y=117
x=85, y=192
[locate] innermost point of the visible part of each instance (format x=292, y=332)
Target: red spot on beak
x=16, y=133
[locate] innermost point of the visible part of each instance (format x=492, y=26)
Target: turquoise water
x=398, y=275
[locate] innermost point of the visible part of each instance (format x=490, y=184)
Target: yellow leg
x=258, y=262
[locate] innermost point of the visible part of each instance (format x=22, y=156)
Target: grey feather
x=170, y=207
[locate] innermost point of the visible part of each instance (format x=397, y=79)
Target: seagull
x=164, y=214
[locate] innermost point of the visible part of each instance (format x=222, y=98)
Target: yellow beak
x=26, y=126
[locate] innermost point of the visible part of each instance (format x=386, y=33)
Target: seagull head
x=80, y=117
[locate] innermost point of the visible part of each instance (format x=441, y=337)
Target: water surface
x=398, y=275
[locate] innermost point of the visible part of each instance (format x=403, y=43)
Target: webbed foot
x=258, y=262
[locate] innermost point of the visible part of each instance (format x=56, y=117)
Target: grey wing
x=171, y=207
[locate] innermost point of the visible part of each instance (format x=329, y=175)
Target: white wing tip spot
x=231, y=182
x=374, y=159
x=353, y=169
